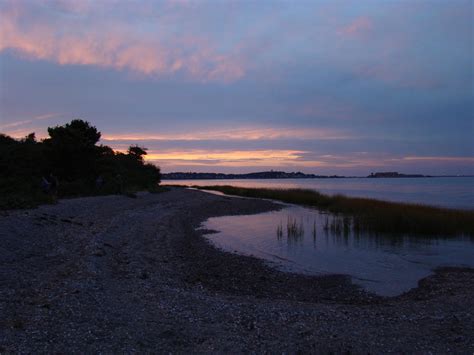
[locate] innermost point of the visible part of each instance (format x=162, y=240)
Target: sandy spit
x=119, y=274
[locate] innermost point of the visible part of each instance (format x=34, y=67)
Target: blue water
x=385, y=264
x=454, y=192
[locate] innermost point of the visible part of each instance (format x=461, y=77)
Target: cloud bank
x=69, y=40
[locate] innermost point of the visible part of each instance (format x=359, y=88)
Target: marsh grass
x=280, y=230
x=294, y=229
x=363, y=214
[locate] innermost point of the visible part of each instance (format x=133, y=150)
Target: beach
x=121, y=274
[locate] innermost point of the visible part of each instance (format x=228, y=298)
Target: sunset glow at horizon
x=324, y=87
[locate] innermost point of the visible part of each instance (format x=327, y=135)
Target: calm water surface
x=447, y=192
x=387, y=265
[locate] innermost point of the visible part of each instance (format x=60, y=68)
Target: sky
x=325, y=87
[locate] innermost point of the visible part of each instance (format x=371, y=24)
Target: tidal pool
x=304, y=240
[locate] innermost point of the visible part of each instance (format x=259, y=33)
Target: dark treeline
x=69, y=163
x=259, y=175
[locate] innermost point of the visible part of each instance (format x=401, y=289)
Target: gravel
x=118, y=274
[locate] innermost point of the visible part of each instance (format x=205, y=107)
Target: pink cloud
x=239, y=134
x=439, y=159
x=117, y=47
x=358, y=28
x=12, y=127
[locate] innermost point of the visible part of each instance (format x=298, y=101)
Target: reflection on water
x=454, y=192
x=306, y=240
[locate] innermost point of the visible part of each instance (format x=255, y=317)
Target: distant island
x=284, y=175
x=394, y=174
x=260, y=175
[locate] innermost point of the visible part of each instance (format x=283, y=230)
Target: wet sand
x=119, y=274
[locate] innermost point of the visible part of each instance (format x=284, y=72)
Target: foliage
x=71, y=158
x=72, y=150
x=372, y=215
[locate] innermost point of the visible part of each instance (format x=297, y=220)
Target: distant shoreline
x=168, y=178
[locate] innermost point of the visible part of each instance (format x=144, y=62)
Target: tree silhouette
x=137, y=152
x=70, y=153
x=72, y=149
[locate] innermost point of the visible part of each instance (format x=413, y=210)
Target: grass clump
x=369, y=214
x=293, y=229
